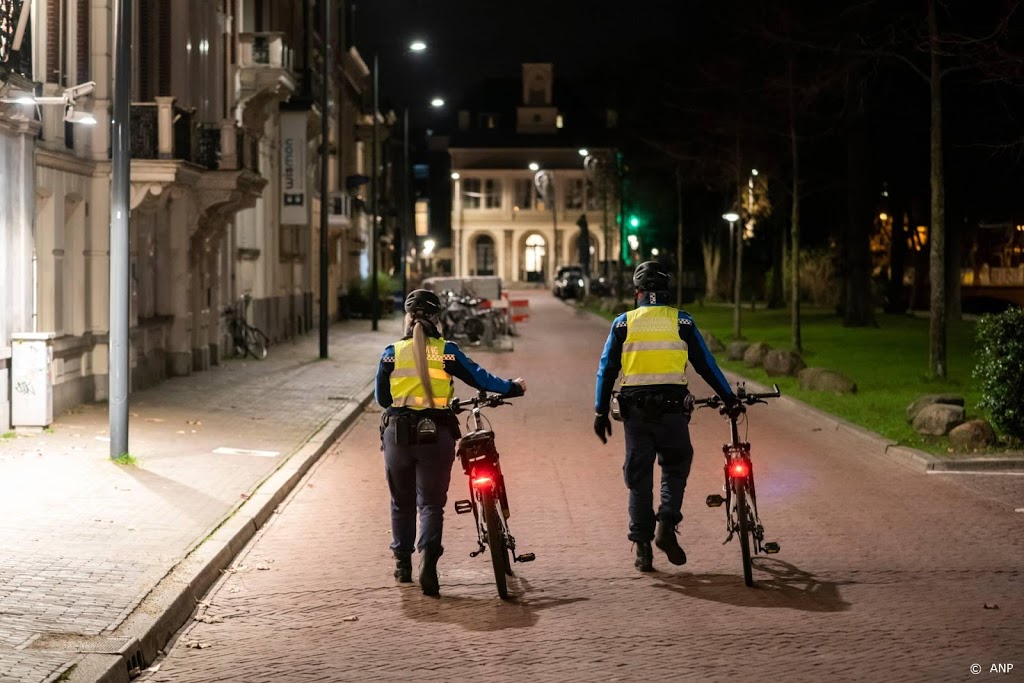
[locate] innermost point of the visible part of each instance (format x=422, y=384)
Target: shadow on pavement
x=190, y=501
x=789, y=587
x=485, y=613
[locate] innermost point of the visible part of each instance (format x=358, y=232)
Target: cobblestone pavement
x=885, y=574
x=84, y=540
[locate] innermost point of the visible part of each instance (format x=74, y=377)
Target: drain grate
x=76, y=642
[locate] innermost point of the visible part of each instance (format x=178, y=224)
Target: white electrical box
x=32, y=379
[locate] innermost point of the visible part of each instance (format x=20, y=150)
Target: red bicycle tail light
x=738, y=469
x=480, y=482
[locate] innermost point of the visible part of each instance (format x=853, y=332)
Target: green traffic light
x=634, y=222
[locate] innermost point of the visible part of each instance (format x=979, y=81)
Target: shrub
x=356, y=300
x=1000, y=369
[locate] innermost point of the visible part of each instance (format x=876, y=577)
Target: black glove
x=602, y=426
x=734, y=407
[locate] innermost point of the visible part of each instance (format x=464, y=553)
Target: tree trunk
x=937, y=238
x=858, y=309
x=794, y=241
x=712, y=264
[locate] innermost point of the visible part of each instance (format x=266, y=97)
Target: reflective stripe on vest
x=653, y=353
x=406, y=389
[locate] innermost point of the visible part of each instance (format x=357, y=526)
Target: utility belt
x=413, y=429
x=651, y=405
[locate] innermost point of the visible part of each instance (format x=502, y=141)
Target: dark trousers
x=418, y=477
x=667, y=439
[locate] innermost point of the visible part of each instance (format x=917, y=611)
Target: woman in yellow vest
x=651, y=346
x=419, y=431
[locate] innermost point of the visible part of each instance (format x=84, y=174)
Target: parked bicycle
x=247, y=340
x=740, y=499
x=488, y=500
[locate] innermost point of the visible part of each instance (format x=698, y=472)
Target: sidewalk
x=108, y=559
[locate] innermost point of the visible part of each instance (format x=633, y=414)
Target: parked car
x=568, y=282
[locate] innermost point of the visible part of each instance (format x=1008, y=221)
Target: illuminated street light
x=753, y=171
x=417, y=46
x=654, y=251
x=455, y=176
x=437, y=102
x=534, y=166
x=634, y=242
x=731, y=217
x=583, y=153
x=428, y=247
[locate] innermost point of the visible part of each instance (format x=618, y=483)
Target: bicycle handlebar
x=741, y=395
x=482, y=400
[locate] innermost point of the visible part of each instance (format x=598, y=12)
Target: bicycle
x=740, y=495
x=488, y=500
x=247, y=339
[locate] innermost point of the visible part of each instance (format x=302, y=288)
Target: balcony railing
x=160, y=130
x=264, y=50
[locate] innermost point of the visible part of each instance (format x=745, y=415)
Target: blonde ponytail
x=419, y=357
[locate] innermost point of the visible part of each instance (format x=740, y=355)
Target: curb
x=170, y=603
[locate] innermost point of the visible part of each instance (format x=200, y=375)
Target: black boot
x=428, y=570
x=644, y=557
x=666, y=541
x=403, y=567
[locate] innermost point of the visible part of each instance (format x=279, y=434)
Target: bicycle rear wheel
x=256, y=343
x=745, y=531
x=496, y=540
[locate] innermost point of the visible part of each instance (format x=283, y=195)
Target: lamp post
x=324, y=161
x=544, y=181
x=732, y=217
x=120, y=191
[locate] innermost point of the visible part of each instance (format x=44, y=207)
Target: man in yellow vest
x=651, y=346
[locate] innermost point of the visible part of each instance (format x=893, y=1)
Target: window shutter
x=53, y=38
x=82, y=42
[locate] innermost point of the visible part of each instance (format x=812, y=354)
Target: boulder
x=714, y=345
x=736, y=349
x=931, y=399
x=753, y=357
x=938, y=419
x=821, y=379
x=778, y=362
x=973, y=435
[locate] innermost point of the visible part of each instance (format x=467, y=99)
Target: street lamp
x=417, y=46
x=455, y=175
x=732, y=217
x=584, y=152
x=437, y=102
x=534, y=166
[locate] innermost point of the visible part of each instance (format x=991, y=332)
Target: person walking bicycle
x=418, y=431
x=651, y=346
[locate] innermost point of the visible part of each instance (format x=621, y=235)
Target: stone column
x=165, y=127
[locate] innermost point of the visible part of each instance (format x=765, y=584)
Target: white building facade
x=215, y=86
x=519, y=199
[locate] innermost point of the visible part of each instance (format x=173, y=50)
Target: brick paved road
x=885, y=572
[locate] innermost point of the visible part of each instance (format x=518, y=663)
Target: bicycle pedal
x=714, y=501
x=771, y=547
x=526, y=557
x=463, y=506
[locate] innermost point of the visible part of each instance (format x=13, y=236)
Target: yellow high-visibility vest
x=653, y=353
x=406, y=389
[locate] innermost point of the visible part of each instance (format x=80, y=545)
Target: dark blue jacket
x=699, y=356
x=456, y=364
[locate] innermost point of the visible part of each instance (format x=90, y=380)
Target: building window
x=559, y=121
x=523, y=189
x=574, y=193
x=492, y=194
x=471, y=194
x=485, y=255
x=593, y=196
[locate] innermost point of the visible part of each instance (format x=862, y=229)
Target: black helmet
x=651, y=276
x=422, y=303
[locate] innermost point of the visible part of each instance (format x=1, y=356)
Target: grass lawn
x=889, y=364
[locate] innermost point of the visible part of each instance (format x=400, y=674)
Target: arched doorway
x=534, y=258
x=484, y=259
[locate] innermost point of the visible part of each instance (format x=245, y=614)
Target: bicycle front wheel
x=256, y=343
x=745, y=531
x=496, y=540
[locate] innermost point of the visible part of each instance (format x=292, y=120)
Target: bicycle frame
x=741, y=515
x=488, y=499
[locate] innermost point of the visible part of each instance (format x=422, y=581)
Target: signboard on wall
x=294, y=197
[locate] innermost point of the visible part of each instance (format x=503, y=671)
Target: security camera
x=76, y=91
